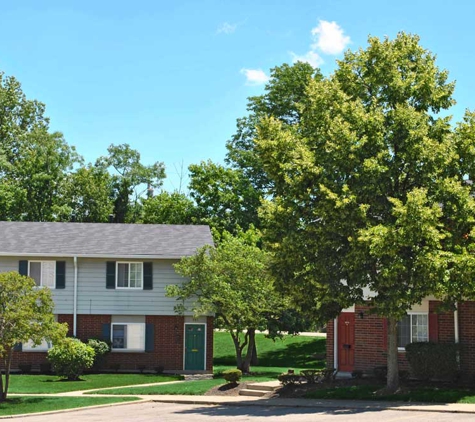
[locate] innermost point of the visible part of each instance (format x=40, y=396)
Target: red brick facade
x=167, y=352
x=370, y=348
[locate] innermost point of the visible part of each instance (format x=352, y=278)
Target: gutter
x=99, y=256
x=75, y=299
x=456, y=324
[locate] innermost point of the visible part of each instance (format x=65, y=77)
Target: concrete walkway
x=281, y=402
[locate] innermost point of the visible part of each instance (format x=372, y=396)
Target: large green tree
x=169, y=208
x=232, y=281
x=130, y=180
x=34, y=163
x=26, y=313
x=369, y=188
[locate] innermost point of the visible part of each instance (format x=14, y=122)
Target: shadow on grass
x=291, y=355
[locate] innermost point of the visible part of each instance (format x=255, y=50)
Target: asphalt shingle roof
x=101, y=239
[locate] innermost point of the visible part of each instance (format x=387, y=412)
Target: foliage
x=289, y=378
x=368, y=187
x=433, y=360
x=88, y=194
x=232, y=376
x=130, y=180
x=232, y=281
x=70, y=357
x=169, y=208
x=101, y=348
x=225, y=198
x=26, y=313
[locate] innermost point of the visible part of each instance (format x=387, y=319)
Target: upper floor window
x=413, y=328
x=129, y=275
x=43, y=272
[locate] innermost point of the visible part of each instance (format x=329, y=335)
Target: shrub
x=312, y=376
x=232, y=376
x=289, y=379
x=45, y=368
x=101, y=348
x=25, y=368
x=70, y=357
x=357, y=374
x=432, y=360
x=159, y=369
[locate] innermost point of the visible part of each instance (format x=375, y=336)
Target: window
x=129, y=275
x=29, y=346
x=128, y=337
x=43, y=272
x=412, y=328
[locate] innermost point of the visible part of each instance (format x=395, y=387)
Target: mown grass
x=408, y=394
x=23, y=405
x=192, y=388
x=289, y=352
x=50, y=384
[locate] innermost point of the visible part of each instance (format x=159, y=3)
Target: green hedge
x=433, y=360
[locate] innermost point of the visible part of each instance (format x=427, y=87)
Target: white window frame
x=41, y=273
x=117, y=275
x=410, y=314
x=44, y=346
x=125, y=349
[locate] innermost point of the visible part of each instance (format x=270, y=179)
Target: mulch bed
x=227, y=389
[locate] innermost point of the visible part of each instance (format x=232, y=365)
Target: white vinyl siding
x=43, y=272
x=63, y=298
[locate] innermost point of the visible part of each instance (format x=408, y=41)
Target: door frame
x=205, y=341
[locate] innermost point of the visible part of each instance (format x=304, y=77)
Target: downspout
x=75, y=299
x=335, y=343
x=456, y=324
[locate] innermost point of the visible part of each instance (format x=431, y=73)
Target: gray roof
x=101, y=239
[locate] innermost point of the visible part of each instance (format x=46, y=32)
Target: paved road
x=170, y=412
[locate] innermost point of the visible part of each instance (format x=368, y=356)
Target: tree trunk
x=254, y=360
x=393, y=369
x=1, y=386
x=246, y=363
x=237, y=347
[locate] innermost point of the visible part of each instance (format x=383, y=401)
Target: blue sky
x=170, y=78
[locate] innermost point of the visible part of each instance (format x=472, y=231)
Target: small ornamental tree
x=232, y=281
x=26, y=313
x=70, y=358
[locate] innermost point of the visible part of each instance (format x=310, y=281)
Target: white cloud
x=329, y=38
x=255, y=76
x=226, y=28
x=310, y=57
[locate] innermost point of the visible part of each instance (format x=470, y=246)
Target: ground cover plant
x=23, y=405
x=50, y=384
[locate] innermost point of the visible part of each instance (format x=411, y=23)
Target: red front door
x=346, y=341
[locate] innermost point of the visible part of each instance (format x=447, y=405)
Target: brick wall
x=467, y=336
x=330, y=343
x=168, y=344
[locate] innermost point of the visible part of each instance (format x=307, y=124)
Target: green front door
x=194, y=347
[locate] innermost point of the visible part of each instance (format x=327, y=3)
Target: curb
x=74, y=409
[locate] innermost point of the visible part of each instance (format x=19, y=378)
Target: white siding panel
x=94, y=298
x=63, y=298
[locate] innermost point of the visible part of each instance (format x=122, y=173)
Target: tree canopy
x=26, y=313
x=369, y=188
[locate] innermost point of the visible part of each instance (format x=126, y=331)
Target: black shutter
x=149, y=337
x=60, y=274
x=147, y=276
x=106, y=333
x=23, y=267
x=110, y=275
x=18, y=347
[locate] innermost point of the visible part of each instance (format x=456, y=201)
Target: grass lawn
x=192, y=388
x=416, y=394
x=290, y=352
x=20, y=405
x=46, y=384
